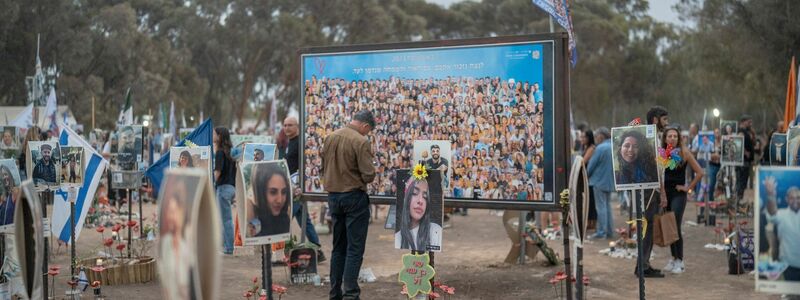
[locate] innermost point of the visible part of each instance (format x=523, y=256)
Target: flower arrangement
x=419, y=172
x=670, y=157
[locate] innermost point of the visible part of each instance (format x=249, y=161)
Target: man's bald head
x=290, y=127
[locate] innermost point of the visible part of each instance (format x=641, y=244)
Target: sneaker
x=321, y=256
x=670, y=265
x=679, y=267
x=650, y=272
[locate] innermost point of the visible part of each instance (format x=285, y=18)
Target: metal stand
x=565, y=237
x=639, y=202
x=304, y=220
x=735, y=217
x=266, y=269
x=130, y=216
x=522, y=240
x=579, y=272
x=141, y=219
x=45, y=267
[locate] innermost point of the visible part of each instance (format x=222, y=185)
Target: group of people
x=495, y=127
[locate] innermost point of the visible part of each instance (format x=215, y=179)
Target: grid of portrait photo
x=495, y=127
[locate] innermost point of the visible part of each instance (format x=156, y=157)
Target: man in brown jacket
x=347, y=160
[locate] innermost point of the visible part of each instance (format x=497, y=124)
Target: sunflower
x=419, y=172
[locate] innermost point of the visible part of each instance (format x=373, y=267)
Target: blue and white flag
x=201, y=136
x=95, y=166
x=559, y=10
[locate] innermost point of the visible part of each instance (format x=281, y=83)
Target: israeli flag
x=95, y=166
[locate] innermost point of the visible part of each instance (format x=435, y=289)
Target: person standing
x=677, y=190
x=291, y=152
x=601, y=177
x=588, y=145
x=225, y=180
x=743, y=172
x=347, y=160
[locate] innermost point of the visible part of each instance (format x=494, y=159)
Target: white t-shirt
x=435, y=235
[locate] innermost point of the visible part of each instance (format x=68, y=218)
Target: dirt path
x=474, y=249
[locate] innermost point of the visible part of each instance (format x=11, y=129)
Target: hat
x=45, y=146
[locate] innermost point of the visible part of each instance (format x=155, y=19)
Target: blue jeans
x=605, y=218
x=311, y=232
x=713, y=170
x=350, y=214
x=225, y=194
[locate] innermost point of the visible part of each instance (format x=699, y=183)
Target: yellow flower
x=419, y=172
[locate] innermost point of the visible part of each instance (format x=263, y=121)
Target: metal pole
x=45, y=266
x=72, y=237
x=639, y=202
x=266, y=269
x=130, y=216
x=579, y=273
x=304, y=220
x=522, y=241
x=141, y=219
x=565, y=237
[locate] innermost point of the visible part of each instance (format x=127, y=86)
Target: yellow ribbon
x=644, y=225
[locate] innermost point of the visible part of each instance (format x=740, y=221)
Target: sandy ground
x=472, y=262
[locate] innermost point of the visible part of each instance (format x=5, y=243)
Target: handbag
x=666, y=229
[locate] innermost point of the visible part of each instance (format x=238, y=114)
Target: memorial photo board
x=129, y=147
x=728, y=127
x=419, y=211
x=254, y=152
x=266, y=190
x=634, y=157
x=72, y=165
x=191, y=157
x=490, y=97
x=10, y=142
x=777, y=150
x=777, y=238
x=732, y=150
x=436, y=155
x=43, y=164
x=793, y=146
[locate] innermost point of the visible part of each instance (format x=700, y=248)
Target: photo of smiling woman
x=9, y=190
x=267, y=212
x=634, y=157
x=419, y=212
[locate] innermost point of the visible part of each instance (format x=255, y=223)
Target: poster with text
x=239, y=140
x=495, y=101
x=419, y=215
x=191, y=157
x=258, y=152
x=130, y=147
x=10, y=143
x=634, y=157
x=705, y=145
x=777, y=231
x=9, y=190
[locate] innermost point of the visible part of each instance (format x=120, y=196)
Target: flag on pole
x=173, y=124
x=25, y=118
x=162, y=117
x=94, y=167
x=183, y=119
x=791, y=98
x=50, y=112
x=201, y=136
x=273, y=116
x=559, y=10
x=126, y=114
x=201, y=118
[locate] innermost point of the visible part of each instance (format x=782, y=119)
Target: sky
x=660, y=10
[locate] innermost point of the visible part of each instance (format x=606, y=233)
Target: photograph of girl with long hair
x=9, y=190
x=268, y=211
x=635, y=157
x=419, y=213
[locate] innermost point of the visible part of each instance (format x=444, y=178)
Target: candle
x=114, y=235
x=727, y=241
x=612, y=245
x=99, y=262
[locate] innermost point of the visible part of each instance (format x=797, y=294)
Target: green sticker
x=416, y=274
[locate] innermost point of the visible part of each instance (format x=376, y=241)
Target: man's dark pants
x=350, y=213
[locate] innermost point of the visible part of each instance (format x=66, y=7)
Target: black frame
x=561, y=140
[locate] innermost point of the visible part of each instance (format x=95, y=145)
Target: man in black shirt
x=45, y=170
x=743, y=172
x=292, y=155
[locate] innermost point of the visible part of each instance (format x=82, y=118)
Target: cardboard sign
x=416, y=274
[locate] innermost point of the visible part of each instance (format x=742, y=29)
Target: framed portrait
x=258, y=152
x=484, y=95
x=793, y=146
x=436, y=155
x=9, y=190
x=266, y=209
x=777, y=236
x=634, y=157
x=191, y=157
x=778, y=149
x=43, y=164
x=72, y=165
x=239, y=141
x=419, y=215
x=728, y=127
x=10, y=143
x=178, y=250
x=129, y=147
x=732, y=150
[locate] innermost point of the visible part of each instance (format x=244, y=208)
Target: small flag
x=126, y=114
x=559, y=10
x=25, y=118
x=201, y=136
x=50, y=112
